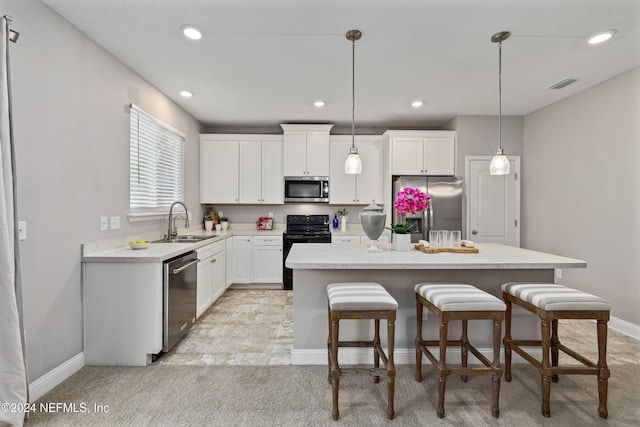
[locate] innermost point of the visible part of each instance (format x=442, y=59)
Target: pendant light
x=499, y=164
x=353, y=164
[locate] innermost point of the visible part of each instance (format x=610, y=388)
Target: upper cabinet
x=244, y=169
x=422, y=152
x=306, y=150
x=355, y=189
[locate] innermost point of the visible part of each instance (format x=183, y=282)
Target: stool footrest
x=355, y=343
x=361, y=370
x=422, y=345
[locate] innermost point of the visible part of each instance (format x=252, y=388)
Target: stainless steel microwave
x=306, y=189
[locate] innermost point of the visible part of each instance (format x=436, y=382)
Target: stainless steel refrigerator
x=445, y=208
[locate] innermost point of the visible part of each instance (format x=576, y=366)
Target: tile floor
x=254, y=327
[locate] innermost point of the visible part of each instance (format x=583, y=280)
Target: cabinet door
x=241, y=263
x=250, y=172
x=218, y=282
x=228, y=249
x=272, y=175
x=204, y=294
x=295, y=153
x=317, y=153
x=439, y=155
x=369, y=182
x=342, y=187
x=219, y=172
x=267, y=264
x=407, y=156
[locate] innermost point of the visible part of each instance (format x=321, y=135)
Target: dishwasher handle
x=187, y=265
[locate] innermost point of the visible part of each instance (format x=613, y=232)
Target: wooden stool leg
x=376, y=342
x=545, y=374
x=418, y=341
x=507, y=339
x=335, y=370
x=442, y=367
x=464, y=350
x=603, y=373
x=391, y=367
x=497, y=373
x=329, y=344
x=555, y=342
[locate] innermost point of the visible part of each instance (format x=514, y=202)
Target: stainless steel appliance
x=180, y=283
x=306, y=189
x=445, y=208
x=303, y=229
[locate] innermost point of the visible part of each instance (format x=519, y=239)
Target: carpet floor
x=159, y=395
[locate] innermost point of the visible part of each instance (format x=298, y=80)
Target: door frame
x=515, y=168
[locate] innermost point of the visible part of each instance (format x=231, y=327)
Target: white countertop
x=118, y=250
x=356, y=256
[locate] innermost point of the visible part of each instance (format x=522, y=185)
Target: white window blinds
x=156, y=164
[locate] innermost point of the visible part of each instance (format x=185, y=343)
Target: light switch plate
x=22, y=230
x=558, y=273
x=115, y=222
x=103, y=223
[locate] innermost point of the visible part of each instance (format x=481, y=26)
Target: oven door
x=289, y=240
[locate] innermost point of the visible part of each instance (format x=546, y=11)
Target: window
x=156, y=164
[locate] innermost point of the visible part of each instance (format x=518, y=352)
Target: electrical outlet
x=22, y=230
x=115, y=222
x=270, y=214
x=558, y=273
x=103, y=223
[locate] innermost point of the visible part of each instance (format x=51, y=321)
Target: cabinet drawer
x=267, y=240
x=345, y=239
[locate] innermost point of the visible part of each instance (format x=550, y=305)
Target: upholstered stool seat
x=361, y=300
x=458, y=301
x=551, y=302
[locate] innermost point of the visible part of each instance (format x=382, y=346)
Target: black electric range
x=303, y=229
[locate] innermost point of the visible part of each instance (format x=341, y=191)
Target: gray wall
x=581, y=193
x=72, y=147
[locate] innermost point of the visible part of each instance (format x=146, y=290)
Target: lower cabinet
x=256, y=259
x=211, y=275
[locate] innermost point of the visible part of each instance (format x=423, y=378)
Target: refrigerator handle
x=431, y=219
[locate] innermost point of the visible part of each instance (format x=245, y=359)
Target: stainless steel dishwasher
x=180, y=284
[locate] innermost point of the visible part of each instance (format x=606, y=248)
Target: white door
x=241, y=262
x=272, y=174
x=439, y=155
x=369, y=182
x=295, y=153
x=267, y=264
x=407, y=156
x=218, y=282
x=250, y=172
x=493, y=202
x=219, y=172
x=317, y=153
x=204, y=291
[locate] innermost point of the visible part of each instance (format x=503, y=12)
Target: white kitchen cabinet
x=261, y=176
x=219, y=181
x=237, y=168
x=383, y=239
x=345, y=239
x=355, y=189
x=306, y=150
x=211, y=275
x=422, y=152
x=267, y=259
x=228, y=246
x=241, y=259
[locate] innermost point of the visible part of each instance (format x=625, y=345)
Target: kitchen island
x=316, y=265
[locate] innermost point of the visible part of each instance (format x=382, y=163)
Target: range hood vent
x=562, y=83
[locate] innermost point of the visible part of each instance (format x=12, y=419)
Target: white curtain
x=13, y=377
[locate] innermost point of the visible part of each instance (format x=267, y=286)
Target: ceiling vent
x=562, y=83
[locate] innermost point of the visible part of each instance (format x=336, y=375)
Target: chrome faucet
x=172, y=232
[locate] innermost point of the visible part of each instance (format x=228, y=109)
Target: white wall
x=581, y=191
x=72, y=146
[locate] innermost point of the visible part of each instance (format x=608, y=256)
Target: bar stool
x=459, y=301
x=361, y=300
x=551, y=302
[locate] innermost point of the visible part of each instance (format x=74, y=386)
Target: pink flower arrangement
x=411, y=200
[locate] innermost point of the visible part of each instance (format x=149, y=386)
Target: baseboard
x=57, y=375
x=624, y=327
x=402, y=356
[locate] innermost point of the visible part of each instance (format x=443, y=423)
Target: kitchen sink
x=185, y=238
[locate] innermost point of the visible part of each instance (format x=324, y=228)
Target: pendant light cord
x=500, y=96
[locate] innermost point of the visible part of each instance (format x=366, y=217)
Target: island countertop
x=489, y=256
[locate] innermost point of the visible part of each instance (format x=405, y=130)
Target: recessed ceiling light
x=186, y=93
x=319, y=103
x=417, y=104
x=602, y=37
x=191, y=32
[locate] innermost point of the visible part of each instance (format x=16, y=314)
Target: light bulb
x=353, y=164
x=499, y=164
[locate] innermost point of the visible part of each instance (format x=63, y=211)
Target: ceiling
x=264, y=62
